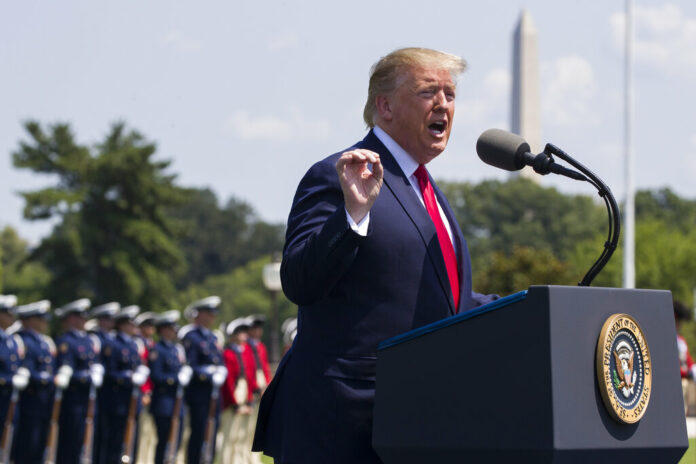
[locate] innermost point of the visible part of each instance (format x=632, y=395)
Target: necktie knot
x=422, y=176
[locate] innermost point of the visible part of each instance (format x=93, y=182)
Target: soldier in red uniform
x=238, y=394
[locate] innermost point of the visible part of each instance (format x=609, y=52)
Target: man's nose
x=440, y=100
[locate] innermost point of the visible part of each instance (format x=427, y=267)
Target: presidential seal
x=624, y=370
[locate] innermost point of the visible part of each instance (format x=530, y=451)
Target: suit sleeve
x=320, y=245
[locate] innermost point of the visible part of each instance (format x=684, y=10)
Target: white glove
x=62, y=378
x=21, y=379
x=140, y=375
x=219, y=376
x=210, y=369
x=184, y=375
x=96, y=372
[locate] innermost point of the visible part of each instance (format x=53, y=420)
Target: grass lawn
x=689, y=457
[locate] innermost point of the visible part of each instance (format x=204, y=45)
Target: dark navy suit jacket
x=353, y=292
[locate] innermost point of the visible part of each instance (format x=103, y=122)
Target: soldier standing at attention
x=205, y=358
x=263, y=373
x=36, y=401
x=104, y=316
x=125, y=374
x=145, y=322
x=169, y=373
x=10, y=355
x=80, y=351
x=238, y=394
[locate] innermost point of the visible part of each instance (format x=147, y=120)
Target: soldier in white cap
x=36, y=401
x=103, y=315
x=170, y=375
x=202, y=395
x=80, y=352
x=125, y=375
x=13, y=377
x=145, y=323
x=238, y=394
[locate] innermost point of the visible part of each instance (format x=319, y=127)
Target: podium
x=516, y=381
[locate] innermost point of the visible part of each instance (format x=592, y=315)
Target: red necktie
x=442, y=235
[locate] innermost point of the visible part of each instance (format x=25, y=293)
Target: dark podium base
x=515, y=381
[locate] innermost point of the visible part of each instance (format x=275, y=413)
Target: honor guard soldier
x=145, y=322
x=169, y=374
x=125, y=374
x=13, y=377
x=202, y=395
x=80, y=351
x=103, y=316
x=36, y=401
x=258, y=349
x=238, y=394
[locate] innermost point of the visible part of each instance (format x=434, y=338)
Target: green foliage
x=20, y=277
x=497, y=216
x=509, y=273
x=113, y=239
x=217, y=240
x=242, y=293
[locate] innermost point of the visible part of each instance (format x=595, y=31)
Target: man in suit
x=372, y=250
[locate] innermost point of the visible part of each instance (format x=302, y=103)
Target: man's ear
x=383, y=107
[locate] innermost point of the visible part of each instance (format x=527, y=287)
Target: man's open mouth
x=437, y=128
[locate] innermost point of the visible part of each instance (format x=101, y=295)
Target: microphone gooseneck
x=511, y=152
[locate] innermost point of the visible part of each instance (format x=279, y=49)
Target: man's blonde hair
x=385, y=74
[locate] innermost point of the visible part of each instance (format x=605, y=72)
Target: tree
x=217, y=240
x=113, y=240
x=505, y=273
x=242, y=293
x=497, y=216
x=21, y=277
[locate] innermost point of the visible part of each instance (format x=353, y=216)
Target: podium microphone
x=511, y=152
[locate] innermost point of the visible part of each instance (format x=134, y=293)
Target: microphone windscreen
x=502, y=149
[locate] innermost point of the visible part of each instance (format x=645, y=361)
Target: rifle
x=128, y=447
x=88, y=440
x=62, y=379
x=8, y=429
x=170, y=449
x=19, y=383
x=209, y=437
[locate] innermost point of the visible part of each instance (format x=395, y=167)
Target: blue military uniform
x=78, y=350
x=203, y=355
x=166, y=360
x=122, y=356
x=36, y=401
x=10, y=359
x=102, y=429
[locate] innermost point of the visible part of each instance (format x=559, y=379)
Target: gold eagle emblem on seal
x=624, y=368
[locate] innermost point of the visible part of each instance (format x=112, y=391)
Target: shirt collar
x=405, y=161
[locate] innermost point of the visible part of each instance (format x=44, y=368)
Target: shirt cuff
x=360, y=228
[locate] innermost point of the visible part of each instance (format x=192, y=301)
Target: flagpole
x=629, y=272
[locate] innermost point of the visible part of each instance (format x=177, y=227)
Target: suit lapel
x=397, y=182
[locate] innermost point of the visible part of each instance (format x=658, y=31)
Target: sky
x=243, y=97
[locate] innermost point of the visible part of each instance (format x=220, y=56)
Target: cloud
x=489, y=102
x=181, y=43
x=282, y=42
x=567, y=99
x=272, y=127
x=664, y=38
